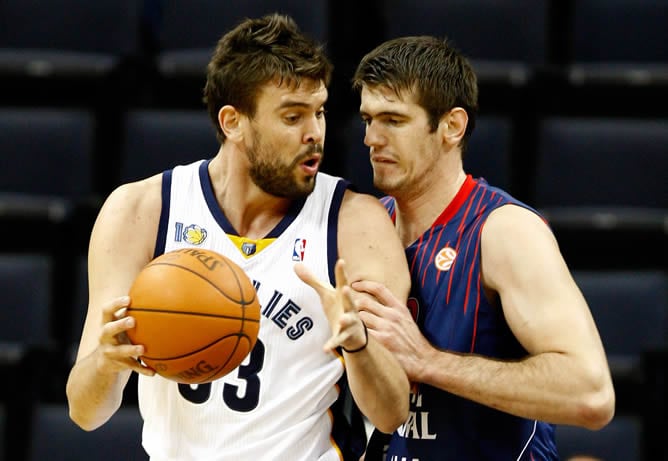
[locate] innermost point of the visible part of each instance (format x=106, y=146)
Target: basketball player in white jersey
x=262, y=202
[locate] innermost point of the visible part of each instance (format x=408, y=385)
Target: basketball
x=196, y=313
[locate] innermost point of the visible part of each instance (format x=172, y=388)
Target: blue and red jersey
x=449, y=304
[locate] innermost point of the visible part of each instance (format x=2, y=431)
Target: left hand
x=347, y=327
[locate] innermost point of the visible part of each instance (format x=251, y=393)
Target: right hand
x=348, y=330
x=115, y=353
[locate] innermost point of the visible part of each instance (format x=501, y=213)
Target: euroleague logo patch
x=445, y=259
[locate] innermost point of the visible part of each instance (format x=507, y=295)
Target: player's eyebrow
x=286, y=104
x=302, y=104
x=385, y=113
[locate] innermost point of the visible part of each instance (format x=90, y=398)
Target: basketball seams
x=196, y=314
x=196, y=360
x=197, y=351
x=235, y=270
x=242, y=302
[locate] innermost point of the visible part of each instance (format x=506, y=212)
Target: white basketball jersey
x=277, y=404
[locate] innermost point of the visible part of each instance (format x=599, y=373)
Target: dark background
x=572, y=121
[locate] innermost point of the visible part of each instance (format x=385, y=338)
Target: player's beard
x=275, y=177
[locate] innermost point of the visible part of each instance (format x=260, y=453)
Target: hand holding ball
x=197, y=315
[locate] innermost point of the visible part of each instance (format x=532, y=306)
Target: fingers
x=116, y=351
x=348, y=330
x=351, y=334
x=122, y=357
x=379, y=291
x=340, y=273
x=309, y=278
x=343, y=294
x=109, y=310
x=114, y=333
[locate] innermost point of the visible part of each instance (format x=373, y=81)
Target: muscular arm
x=565, y=378
x=371, y=249
x=122, y=242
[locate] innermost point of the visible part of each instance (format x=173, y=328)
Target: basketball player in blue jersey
x=262, y=202
x=503, y=346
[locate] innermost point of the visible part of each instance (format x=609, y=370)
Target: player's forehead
x=278, y=94
x=383, y=99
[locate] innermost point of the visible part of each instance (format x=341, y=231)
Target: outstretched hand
x=348, y=330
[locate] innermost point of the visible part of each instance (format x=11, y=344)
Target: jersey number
x=248, y=373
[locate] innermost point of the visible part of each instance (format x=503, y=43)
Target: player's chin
x=384, y=180
x=306, y=181
x=307, y=187
x=300, y=188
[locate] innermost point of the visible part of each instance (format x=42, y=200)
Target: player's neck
x=416, y=211
x=252, y=212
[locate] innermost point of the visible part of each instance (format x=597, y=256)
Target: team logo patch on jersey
x=445, y=259
x=298, y=250
x=249, y=248
x=194, y=234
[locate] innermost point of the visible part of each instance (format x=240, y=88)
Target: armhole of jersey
x=333, y=225
x=161, y=238
x=389, y=204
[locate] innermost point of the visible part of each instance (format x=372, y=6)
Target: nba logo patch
x=298, y=250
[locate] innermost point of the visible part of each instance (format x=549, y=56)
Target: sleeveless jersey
x=448, y=303
x=283, y=401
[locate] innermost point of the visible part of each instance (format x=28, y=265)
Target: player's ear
x=454, y=125
x=229, y=120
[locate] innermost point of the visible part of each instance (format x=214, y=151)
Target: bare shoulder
x=136, y=200
x=516, y=241
x=364, y=215
x=514, y=215
x=365, y=208
x=513, y=223
x=131, y=211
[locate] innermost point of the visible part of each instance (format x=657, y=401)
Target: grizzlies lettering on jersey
x=283, y=401
x=454, y=314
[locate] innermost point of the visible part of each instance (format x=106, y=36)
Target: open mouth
x=311, y=162
x=310, y=165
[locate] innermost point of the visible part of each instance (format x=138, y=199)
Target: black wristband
x=362, y=347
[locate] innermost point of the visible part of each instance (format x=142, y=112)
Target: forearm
x=93, y=395
x=549, y=387
x=379, y=386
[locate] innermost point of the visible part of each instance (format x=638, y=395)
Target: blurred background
x=573, y=121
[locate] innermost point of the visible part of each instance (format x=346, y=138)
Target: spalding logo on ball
x=197, y=315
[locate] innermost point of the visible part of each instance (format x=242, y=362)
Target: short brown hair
x=255, y=52
x=439, y=76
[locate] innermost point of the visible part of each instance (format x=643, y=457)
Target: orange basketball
x=197, y=314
